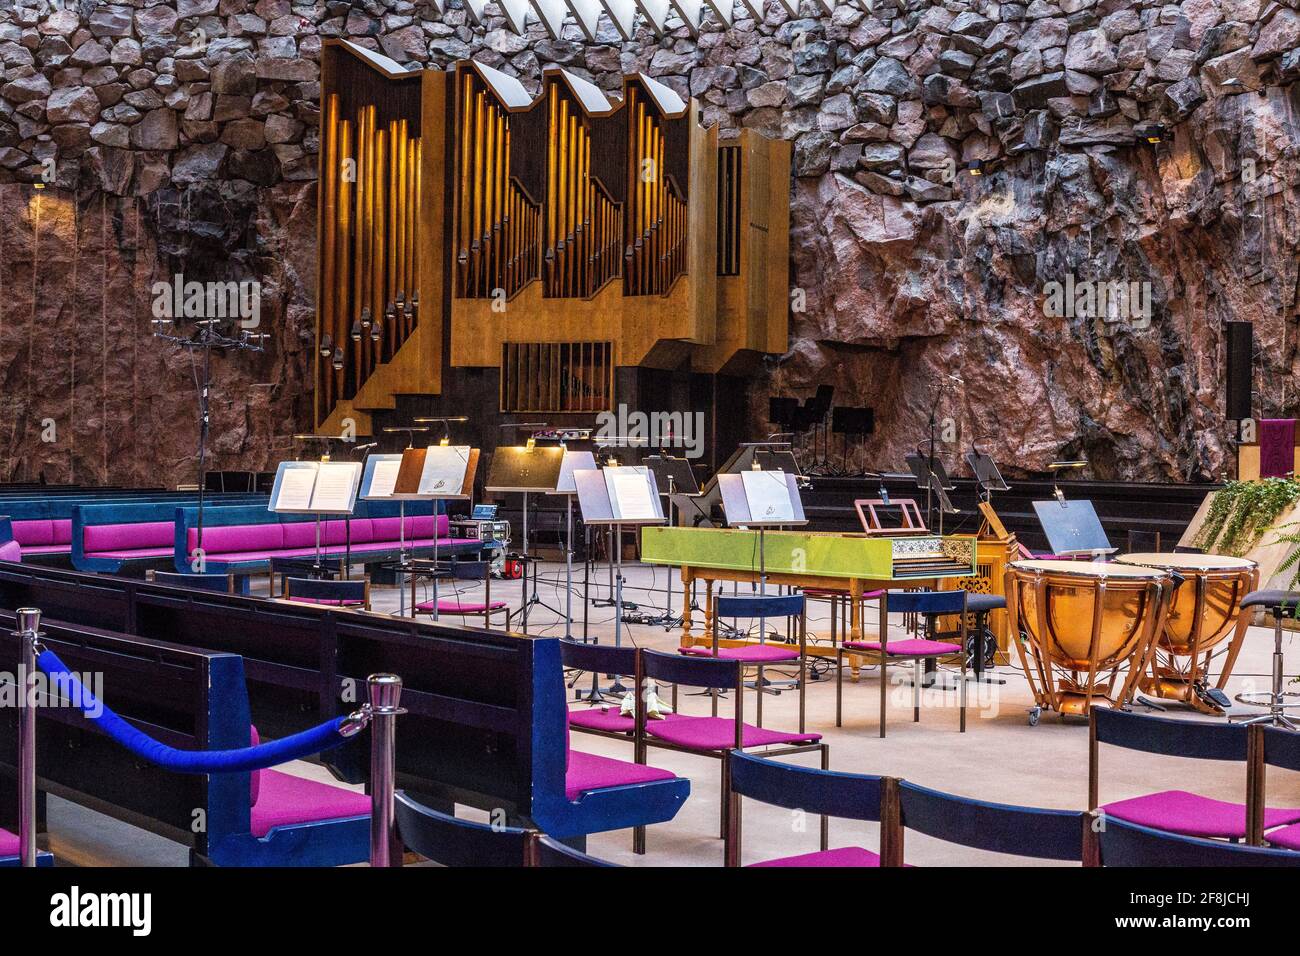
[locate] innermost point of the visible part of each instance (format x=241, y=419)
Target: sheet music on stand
x=380, y=476
x=761, y=499
x=1072, y=527
x=621, y=495
x=315, y=487
x=438, y=471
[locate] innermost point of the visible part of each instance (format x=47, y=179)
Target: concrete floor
x=1000, y=757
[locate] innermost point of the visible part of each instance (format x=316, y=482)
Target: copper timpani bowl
x=1082, y=621
x=1202, y=615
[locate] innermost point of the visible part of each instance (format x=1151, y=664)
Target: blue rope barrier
x=322, y=737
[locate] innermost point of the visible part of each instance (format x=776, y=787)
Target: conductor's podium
x=851, y=563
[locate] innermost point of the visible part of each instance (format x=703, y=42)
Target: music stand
x=761, y=499
x=527, y=469
x=315, y=487
x=619, y=496
x=1072, y=527
x=931, y=475
x=674, y=479
x=435, y=473
x=986, y=473
x=849, y=421
x=567, y=486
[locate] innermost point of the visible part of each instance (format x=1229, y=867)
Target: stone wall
x=180, y=137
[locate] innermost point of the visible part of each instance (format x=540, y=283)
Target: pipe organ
x=552, y=237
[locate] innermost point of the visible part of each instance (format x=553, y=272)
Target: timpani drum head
x=1186, y=562
x=1089, y=569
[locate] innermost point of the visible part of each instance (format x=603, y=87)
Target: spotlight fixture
x=976, y=167
x=356, y=331
x=1151, y=134
x=445, y=421
x=38, y=185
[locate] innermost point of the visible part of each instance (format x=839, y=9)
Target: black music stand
x=849, y=421
x=931, y=475
x=674, y=479
x=526, y=469
x=567, y=486
x=1072, y=527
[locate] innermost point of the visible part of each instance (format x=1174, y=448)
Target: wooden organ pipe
x=329, y=230
x=342, y=258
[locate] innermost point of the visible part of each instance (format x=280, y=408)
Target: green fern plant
x=1242, y=511
x=1292, y=562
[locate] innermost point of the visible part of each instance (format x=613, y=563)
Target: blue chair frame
x=450, y=841
x=549, y=852
x=1127, y=844
x=1199, y=740
x=763, y=606
x=997, y=827
x=713, y=673
x=928, y=604
x=828, y=793
x=318, y=590
x=220, y=583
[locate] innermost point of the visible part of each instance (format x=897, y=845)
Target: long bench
x=194, y=700
x=243, y=539
x=42, y=524
x=487, y=720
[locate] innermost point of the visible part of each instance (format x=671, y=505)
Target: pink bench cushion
x=11, y=551
x=842, y=856
x=601, y=718
x=284, y=799
x=8, y=843
x=1193, y=815
x=592, y=772
x=52, y=534
x=753, y=654
x=719, y=733
x=254, y=542
x=913, y=647
x=224, y=539
x=134, y=553
x=125, y=538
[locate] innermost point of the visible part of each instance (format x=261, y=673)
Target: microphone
x=373, y=444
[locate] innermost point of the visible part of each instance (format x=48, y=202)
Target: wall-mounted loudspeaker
x=1240, y=372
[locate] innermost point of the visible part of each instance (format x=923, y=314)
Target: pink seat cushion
x=11, y=551
x=1193, y=815
x=1288, y=837
x=8, y=843
x=601, y=718
x=719, y=733
x=452, y=606
x=753, y=654
x=284, y=800
x=842, y=856
x=47, y=549
x=913, y=647
x=592, y=772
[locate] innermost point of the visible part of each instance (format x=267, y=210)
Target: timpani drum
x=1202, y=616
x=1080, y=624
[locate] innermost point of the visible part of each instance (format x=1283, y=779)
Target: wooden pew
x=190, y=699
x=487, y=711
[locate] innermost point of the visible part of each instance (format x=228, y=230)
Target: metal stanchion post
x=29, y=634
x=385, y=697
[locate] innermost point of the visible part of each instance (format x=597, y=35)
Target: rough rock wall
x=180, y=137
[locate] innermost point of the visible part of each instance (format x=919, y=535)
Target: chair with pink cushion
x=791, y=607
x=605, y=718
x=350, y=594
x=463, y=604
x=716, y=736
x=927, y=604
x=851, y=796
x=11, y=551
x=1274, y=747
x=1178, y=811
x=1128, y=844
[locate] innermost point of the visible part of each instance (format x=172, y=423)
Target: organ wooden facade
x=466, y=224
